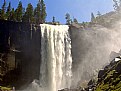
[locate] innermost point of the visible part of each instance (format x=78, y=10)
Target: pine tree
x=28, y=16
x=8, y=11
x=75, y=20
x=0, y=13
x=92, y=17
x=12, y=15
x=19, y=12
x=43, y=13
x=3, y=10
x=116, y=6
x=99, y=18
x=68, y=19
x=40, y=12
x=37, y=15
x=53, y=21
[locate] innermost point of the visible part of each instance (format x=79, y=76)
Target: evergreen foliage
x=29, y=15
x=8, y=13
x=92, y=17
x=75, y=20
x=53, y=21
x=68, y=19
x=98, y=14
x=43, y=13
x=35, y=15
x=0, y=13
x=12, y=15
x=116, y=6
x=40, y=12
x=3, y=10
x=18, y=12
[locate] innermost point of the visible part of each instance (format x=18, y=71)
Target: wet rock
x=109, y=78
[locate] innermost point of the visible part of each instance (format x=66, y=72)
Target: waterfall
x=56, y=60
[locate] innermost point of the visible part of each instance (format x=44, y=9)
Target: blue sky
x=80, y=9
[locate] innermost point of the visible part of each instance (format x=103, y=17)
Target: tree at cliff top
x=43, y=11
x=53, y=21
x=0, y=13
x=8, y=11
x=12, y=15
x=37, y=12
x=3, y=11
x=29, y=14
x=75, y=20
x=92, y=18
x=40, y=12
x=99, y=18
x=19, y=12
x=68, y=19
x=117, y=5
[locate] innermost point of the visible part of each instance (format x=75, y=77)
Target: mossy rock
x=5, y=88
x=112, y=79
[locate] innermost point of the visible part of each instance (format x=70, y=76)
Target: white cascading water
x=56, y=59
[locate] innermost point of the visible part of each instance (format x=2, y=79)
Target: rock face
x=21, y=43
x=92, y=46
x=111, y=77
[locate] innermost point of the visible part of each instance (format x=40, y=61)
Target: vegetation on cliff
x=20, y=14
x=111, y=78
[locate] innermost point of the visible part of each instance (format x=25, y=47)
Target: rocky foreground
x=109, y=78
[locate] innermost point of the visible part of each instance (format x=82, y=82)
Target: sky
x=79, y=9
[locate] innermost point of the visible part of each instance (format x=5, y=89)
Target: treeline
x=35, y=15
x=38, y=14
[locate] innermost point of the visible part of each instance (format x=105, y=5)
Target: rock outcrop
x=20, y=44
x=109, y=79
x=93, y=44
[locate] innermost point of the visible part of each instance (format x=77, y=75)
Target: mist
x=91, y=49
